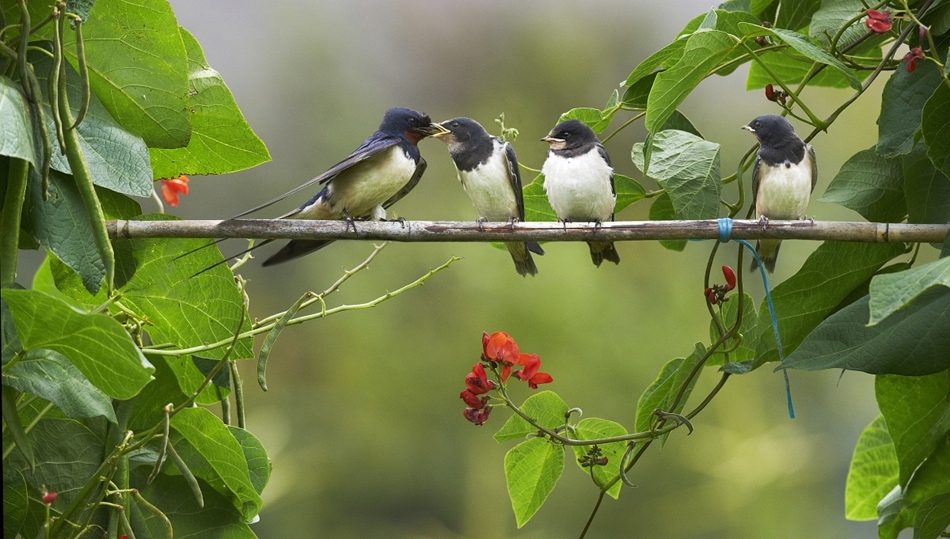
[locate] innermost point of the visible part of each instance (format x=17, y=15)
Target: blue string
x=725, y=234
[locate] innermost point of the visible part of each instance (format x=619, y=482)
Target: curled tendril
x=623, y=464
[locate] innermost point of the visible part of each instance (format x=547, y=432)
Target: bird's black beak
x=434, y=130
x=442, y=131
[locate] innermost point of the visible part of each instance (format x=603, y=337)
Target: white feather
x=784, y=190
x=578, y=188
x=489, y=187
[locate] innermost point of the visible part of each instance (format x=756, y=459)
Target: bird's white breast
x=489, y=187
x=367, y=184
x=784, y=191
x=578, y=188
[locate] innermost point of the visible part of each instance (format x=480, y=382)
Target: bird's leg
x=564, y=222
x=764, y=221
x=481, y=223
x=511, y=222
x=349, y=220
x=597, y=223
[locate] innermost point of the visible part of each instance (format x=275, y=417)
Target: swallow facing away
x=488, y=170
x=783, y=177
x=375, y=176
x=579, y=181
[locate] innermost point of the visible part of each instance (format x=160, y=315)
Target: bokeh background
x=363, y=420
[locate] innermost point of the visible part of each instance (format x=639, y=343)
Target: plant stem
x=13, y=209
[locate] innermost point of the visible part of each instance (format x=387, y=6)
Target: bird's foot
x=481, y=223
x=564, y=222
x=349, y=221
x=512, y=221
x=764, y=221
x=400, y=220
x=597, y=223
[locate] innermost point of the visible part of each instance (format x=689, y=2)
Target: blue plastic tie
x=725, y=234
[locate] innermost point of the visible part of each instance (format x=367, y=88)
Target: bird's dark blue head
x=571, y=135
x=772, y=131
x=462, y=132
x=412, y=125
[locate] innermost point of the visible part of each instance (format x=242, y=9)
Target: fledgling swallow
x=488, y=170
x=579, y=181
x=783, y=177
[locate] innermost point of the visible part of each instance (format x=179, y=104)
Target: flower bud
x=730, y=277
x=49, y=497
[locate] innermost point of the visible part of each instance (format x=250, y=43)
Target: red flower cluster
x=775, y=95
x=171, y=188
x=878, y=22
x=500, y=351
x=717, y=293
x=911, y=57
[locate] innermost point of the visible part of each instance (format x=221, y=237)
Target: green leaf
x=804, y=300
x=646, y=68
x=687, y=167
x=797, y=14
x=663, y=391
x=117, y=159
x=898, y=509
x=927, y=189
x=185, y=309
x=628, y=191
x=744, y=347
x=870, y=185
x=95, y=343
x=67, y=457
x=259, y=465
x=935, y=127
x=139, y=68
x=831, y=17
x=11, y=343
x=917, y=413
x=791, y=68
x=15, y=501
x=662, y=210
x=545, y=407
x=805, y=47
x=191, y=371
x=14, y=423
x=211, y=439
x=147, y=408
x=593, y=118
x=678, y=121
x=221, y=140
x=932, y=517
x=532, y=469
x=894, y=291
x=51, y=376
x=635, y=97
x=594, y=428
x=910, y=342
x=218, y=519
x=704, y=51
x=902, y=104
x=16, y=124
x=536, y=205
x=873, y=472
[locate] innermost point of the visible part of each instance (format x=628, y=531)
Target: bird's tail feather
x=768, y=253
x=295, y=249
x=603, y=250
x=521, y=255
x=535, y=248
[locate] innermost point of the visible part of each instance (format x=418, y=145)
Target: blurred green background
x=363, y=420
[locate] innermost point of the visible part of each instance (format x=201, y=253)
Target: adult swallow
x=378, y=173
x=783, y=177
x=488, y=170
x=579, y=181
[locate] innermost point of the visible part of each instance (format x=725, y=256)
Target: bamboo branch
x=450, y=231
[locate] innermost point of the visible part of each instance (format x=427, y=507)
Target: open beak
x=435, y=130
x=747, y=128
x=551, y=140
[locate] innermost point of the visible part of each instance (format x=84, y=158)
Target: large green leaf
x=16, y=125
x=259, y=465
x=898, y=510
x=796, y=14
x=184, y=309
x=870, y=185
x=536, y=205
x=51, y=376
x=16, y=502
x=545, y=407
x=687, y=167
x=932, y=517
x=594, y=428
x=211, y=439
x=831, y=17
x=628, y=191
x=532, y=468
x=804, y=300
x=218, y=519
x=935, y=126
x=139, y=68
x=917, y=413
x=662, y=210
x=902, y=104
x=911, y=342
x=791, y=68
x=893, y=291
x=663, y=391
x=873, y=472
x=221, y=141
x=927, y=189
x=804, y=46
x=117, y=159
x=593, y=118
x=95, y=343
x=147, y=408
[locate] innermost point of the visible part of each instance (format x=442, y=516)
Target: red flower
x=730, y=277
x=499, y=346
x=878, y=22
x=477, y=381
x=915, y=54
x=171, y=188
x=472, y=399
x=530, y=372
x=770, y=92
x=477, y=417
x=49, y=497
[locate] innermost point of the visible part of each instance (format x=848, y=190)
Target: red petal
x=471, y=399
x=531, y=366
x=539, y=378
x=170, y=196
x=730, y=276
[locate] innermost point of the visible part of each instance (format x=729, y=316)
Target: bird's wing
x=370, y=147
x=416, y=176
x=514, y=177
x=755, y=180
x=814, y=165
x=613, y=189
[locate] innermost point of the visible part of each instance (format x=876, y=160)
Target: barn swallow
x=783, y=177
x=488, y=170
x=579, y=181
x=378, y=173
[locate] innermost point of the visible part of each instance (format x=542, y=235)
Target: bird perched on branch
x=579, y=181
x=488, y=170
x=783, y=177
x=375, y=176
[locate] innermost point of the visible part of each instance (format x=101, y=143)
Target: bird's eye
x=412, y=121
x=566, y=134
x=455, y=124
